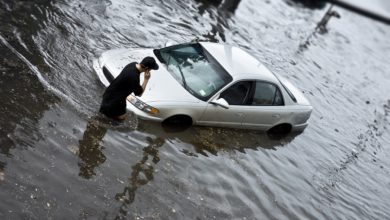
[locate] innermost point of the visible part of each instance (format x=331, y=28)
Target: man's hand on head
x=147, y=74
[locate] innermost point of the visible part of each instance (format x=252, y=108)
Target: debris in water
x=120, y=181
x=2, y=176
x=74, y=149
x=293, y=62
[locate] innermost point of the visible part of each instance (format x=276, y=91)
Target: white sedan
x=213, y=85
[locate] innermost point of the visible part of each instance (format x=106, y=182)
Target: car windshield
x=195, y=69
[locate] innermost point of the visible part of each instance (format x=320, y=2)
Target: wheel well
x=179, y=120
x=280, y=129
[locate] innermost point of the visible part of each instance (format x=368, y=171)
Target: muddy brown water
x=60, y=160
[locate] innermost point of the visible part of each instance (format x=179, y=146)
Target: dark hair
x=149, y=63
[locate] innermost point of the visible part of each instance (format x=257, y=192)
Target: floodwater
x=60, y=160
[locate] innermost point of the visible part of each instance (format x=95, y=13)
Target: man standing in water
x=127, y=82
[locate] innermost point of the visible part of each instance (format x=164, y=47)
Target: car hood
x=162, y=87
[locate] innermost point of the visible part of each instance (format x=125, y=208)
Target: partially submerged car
x=210, y=84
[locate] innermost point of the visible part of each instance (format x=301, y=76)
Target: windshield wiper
x=182, y=76
x=181, y=72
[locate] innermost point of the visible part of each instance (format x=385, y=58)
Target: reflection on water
x=214, y=139
x=322, y=25
x=206, y=141
x=336, y=169
x=141, y=174
x=91, y=148
x=224, y=9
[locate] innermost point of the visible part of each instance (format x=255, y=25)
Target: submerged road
x=58, y=160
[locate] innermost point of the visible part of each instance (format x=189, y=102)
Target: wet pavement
x=60, y=160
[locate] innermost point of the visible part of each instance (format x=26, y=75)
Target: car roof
x=238, y=62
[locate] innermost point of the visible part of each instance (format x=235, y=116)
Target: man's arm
x=144, y=84
x=146, y=80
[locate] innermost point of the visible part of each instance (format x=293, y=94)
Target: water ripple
x=60, y=158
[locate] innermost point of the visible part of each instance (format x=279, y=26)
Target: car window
x=278, y=98
x=238, y=93
x=266, y=94
x=195, y=69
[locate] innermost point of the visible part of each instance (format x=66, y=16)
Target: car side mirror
x=221, y=102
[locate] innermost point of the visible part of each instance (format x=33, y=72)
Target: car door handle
x=276, y=116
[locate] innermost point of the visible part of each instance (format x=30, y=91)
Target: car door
x=265, y=107
x=236, y=95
